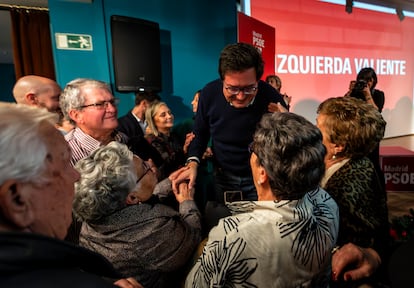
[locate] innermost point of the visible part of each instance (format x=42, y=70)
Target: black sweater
x=231, y=129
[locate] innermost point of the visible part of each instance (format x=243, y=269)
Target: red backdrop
x=262, y=36
x=320, y=48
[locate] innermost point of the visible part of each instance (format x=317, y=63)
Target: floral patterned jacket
x=272, y=244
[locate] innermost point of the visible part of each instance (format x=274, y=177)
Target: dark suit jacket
x=129, y=125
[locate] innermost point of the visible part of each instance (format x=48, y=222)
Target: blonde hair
x=149, y=116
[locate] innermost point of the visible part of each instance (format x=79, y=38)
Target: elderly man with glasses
x=228, y=110
x=91, y=107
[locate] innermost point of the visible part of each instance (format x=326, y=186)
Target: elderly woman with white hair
x=127, y=224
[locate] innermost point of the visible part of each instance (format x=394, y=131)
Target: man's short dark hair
x=146, y=95
x=240, y=57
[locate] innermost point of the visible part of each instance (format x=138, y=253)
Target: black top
x=31, y=260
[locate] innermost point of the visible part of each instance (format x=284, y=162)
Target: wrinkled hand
x=185, y=174
x=184, y=193
x=128, y=283
x=359, y=262
x=276, y=107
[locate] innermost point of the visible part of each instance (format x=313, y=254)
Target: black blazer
x=129, y=125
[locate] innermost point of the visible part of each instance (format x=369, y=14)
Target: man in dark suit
x=133, y=124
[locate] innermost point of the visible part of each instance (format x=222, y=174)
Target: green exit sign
x=73, y=41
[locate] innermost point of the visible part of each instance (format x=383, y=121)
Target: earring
x=259, y=182
x=334, y=157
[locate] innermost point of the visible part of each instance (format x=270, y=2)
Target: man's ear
x=75, y=115
x=14, y=204
x=145, y=103
x=30, y=98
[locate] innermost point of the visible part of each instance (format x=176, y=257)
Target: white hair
x=22, y=149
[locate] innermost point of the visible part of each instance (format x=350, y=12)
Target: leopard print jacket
x=362, y=203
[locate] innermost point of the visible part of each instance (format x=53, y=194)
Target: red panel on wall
x=320, y=48
x=262, y=36
x=397, y=163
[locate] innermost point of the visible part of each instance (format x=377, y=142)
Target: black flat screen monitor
x=136, y=52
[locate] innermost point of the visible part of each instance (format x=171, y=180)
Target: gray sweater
x=146, y=241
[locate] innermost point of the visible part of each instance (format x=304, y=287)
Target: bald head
x=37, y=91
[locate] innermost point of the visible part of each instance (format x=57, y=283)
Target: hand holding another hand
x=184, y=193
x=186, y=174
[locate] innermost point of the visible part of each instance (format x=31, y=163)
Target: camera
x=360, y=85
x=357, y=90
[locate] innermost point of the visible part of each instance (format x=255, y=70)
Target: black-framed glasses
x=147, y=168
x=102, y=104
x=248, y=90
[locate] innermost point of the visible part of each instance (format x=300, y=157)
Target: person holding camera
x=364, y=88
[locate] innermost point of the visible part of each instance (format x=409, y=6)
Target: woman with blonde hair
x=160, y=123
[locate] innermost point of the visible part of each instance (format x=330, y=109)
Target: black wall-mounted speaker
x=136, y=54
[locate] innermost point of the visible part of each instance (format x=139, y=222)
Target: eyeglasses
x=147, y=168
x=234, y=90
x=101, y=105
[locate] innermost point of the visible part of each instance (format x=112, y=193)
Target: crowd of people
x=102, y=201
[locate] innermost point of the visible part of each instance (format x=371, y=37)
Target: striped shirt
x=83, y=144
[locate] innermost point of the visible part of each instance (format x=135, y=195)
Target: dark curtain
x=32, y=46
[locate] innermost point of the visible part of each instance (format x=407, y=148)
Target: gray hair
x=290, y=149
x=108, y=175
x=73, y=97
x=23, y=150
